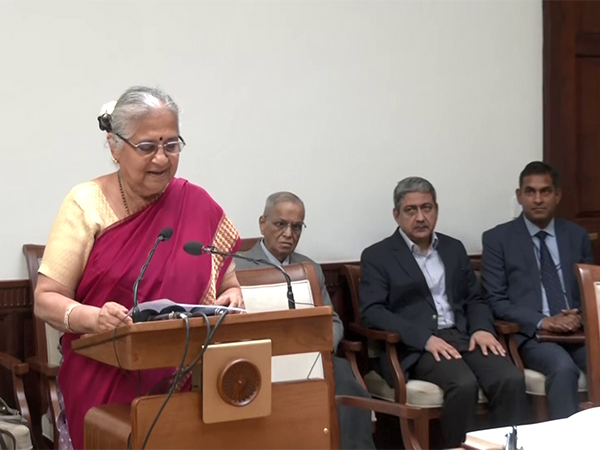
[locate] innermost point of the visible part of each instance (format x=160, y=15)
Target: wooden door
x=572, y=106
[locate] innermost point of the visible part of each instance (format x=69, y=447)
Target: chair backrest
x=352, y=274
x=270, y=276
x=588, y=277
x=248, y=243
x=33, y=257
x=46, y=338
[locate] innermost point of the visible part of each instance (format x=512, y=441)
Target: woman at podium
x=102, y=237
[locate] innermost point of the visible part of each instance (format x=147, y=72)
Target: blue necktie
x=550, y=279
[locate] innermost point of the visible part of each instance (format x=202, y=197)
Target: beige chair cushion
x=535, y=382
x=418, y=393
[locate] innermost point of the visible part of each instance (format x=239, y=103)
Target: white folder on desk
x=576, y=432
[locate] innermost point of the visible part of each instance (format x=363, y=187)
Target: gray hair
x=278, y=197
x=136, y=103
x=412, y=184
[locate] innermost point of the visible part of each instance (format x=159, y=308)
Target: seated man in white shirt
x=281, y=226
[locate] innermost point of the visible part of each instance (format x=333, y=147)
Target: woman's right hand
x=112, y=315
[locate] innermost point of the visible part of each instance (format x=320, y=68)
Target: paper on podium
x=273, y=297
x=577, y=431
x=159, y=305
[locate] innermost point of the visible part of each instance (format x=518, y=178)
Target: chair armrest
x=18, y=369
x=381, y=406
x=350, y=346
x=349, y=350
x=15, y=365
x=378, y=335
x=503, y=327
x=43, y=367
x=577, y=337
x=403, y=412
x=49, y=374
x=507, y=331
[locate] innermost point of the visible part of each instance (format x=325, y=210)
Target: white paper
x=575, y=432
x=159, y=305
x=273, y=297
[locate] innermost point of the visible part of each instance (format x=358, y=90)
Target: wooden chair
x=535, y=382
x=588, y=277
x=422, y=399
x=45, y=362
x=264, y=277
x=248, y=243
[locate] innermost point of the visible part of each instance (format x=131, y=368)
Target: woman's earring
x=115, y=161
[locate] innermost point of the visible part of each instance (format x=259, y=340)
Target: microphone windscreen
x=193, y=248
x=144, y=316
x=166, y=233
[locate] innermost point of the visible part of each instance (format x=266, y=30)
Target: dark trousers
x=460, y=379
x=356, y=427
x=561, y=365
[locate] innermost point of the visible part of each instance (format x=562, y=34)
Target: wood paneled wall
x=572, y=106
x=16, y=312
x=16, y=327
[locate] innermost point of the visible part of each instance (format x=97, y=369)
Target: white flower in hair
x=108, y=108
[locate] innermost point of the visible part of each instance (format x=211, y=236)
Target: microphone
x=198, y=248
x=164, y=235
x=175, y=312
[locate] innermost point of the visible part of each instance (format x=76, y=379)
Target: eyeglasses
x=413, y=210
x=296, y=227
x=148, y=148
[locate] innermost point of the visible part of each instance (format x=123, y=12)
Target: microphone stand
x=135, y=312
x=288, y=280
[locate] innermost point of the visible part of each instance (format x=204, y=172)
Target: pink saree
x=112, y=268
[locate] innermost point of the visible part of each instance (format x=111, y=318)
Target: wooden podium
x=302, y=413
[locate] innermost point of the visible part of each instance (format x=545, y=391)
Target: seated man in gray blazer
x=281, y=225
x=420, y=284
x=527, y=274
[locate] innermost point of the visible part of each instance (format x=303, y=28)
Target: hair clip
x=104, y=122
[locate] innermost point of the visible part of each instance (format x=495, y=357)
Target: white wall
x=333, y=100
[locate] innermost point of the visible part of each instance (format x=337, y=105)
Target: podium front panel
x=299, y=419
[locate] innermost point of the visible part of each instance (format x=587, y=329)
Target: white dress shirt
x=552, y=245
x=432, y=266
x=272, y=257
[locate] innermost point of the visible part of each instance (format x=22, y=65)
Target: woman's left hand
x=232, y=297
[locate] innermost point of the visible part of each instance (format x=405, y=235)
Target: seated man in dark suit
x=527, y=274
x=421, y=284
x=281, y=226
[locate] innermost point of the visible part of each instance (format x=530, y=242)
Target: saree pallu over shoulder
x=227, y=240
x=112, y=268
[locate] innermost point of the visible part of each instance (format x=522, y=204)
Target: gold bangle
x=67, y=315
